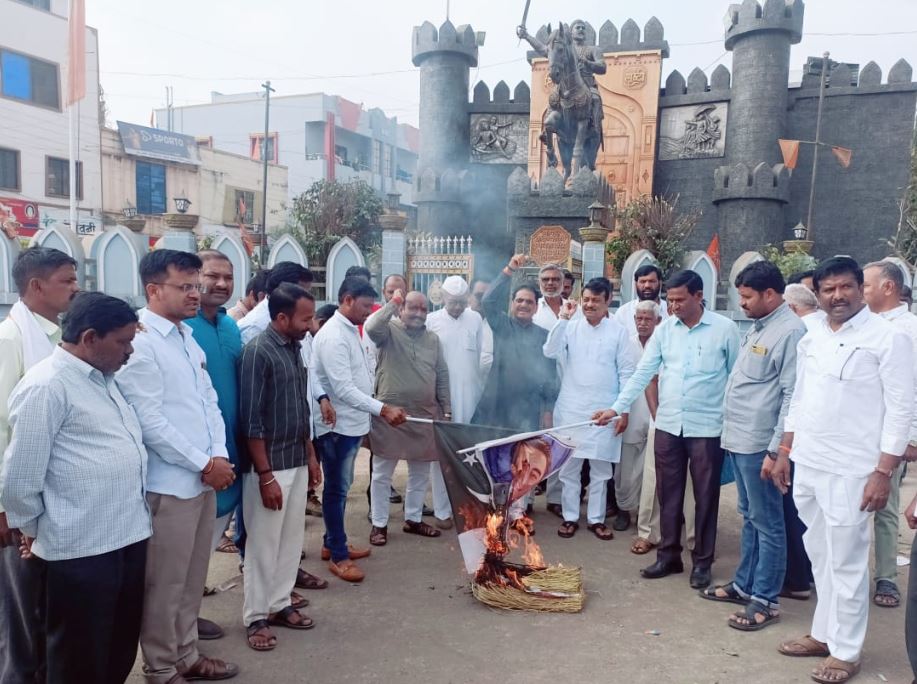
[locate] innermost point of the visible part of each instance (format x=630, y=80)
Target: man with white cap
x=460, y=331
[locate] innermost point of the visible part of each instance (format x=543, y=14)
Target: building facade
x=146, y=169
x=317, y=136
x=34, y=140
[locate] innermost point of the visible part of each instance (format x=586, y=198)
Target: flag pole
x=71, y=140
x=821, y=102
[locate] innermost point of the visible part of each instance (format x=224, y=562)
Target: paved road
x=413, y=620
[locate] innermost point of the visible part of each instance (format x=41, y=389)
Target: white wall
x=38, y=131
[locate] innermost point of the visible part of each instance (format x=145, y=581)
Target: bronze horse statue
x=575, y=111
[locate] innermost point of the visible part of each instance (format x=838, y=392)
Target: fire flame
x=500, y=542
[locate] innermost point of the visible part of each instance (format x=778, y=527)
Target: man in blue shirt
x=218, y=335
x=695, y=349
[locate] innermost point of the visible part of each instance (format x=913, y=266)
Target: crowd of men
x=137, y=443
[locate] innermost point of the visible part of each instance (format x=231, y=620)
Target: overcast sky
x=361, y=49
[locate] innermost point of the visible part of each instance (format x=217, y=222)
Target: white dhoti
x=837, y=542
x=629, y=476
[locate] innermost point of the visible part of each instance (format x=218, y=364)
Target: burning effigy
x=488, y=482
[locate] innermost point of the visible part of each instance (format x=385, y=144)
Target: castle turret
x=752, y=188
x=445, y=58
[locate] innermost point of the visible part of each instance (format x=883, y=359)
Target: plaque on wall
x=693, y=131
x=550, y=245
x=499, y=138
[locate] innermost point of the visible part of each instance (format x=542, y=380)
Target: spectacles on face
x=187, y=288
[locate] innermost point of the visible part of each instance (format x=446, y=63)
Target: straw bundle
x=555, y=589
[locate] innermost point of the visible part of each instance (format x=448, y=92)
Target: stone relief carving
x=499, y=139
x=693, y=131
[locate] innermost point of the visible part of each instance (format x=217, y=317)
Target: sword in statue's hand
x=525, y=16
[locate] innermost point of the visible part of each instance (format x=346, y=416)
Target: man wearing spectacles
x=167, y=383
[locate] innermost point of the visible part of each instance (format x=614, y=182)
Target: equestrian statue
x=574, y=113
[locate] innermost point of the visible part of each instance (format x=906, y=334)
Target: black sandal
x=282, y=619
x=732, y=594
x=752, y=610
x=601, y=531
x=567, y=529
x=253, y=630
x=887, y=588
x=420, y=528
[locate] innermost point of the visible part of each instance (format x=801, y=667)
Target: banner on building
x=155, y=143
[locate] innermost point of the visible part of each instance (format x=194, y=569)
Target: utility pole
x=825, y=65
x=267, y=123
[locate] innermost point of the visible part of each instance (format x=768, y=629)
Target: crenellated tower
x=751, y=190
x=445, y=58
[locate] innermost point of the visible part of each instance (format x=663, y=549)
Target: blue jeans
x=337, y=453
x=762, y=563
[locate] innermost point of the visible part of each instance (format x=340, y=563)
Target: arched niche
x=287, y=249
x=117, y=253
x=9, y=250
x=234, y=250
x=342, y=256
x=66, y=241
x=732, y=294
x=642, y=257
x=703, y=265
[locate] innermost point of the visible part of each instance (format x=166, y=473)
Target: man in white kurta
x=460, y=331
x=846, y=430
x=598, y=359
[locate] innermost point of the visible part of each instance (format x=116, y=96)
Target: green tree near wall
x=330, y=210
x=904, y=242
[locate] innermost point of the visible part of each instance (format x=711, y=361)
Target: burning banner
x=488, y=473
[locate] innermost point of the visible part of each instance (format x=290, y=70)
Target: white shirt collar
x=897, y=312
x=162, y=325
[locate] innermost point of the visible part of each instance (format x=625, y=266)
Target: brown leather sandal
x=378, y=536
x=641, y=546
x=567, y=529
x=804, y=647
x=420, y=528
x=834, y=666
x=210, y=669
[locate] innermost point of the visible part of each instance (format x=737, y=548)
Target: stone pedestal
x=393, y=243
x=800, y=246
x=180, y=235
x=593, y=237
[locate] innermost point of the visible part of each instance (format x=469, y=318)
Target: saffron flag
x=843, y=155
x=790, y=150
x=490, y=469
x=243, y=231
x=76, y=55
x=713, y=250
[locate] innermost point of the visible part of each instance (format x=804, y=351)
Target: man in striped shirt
x=274, y=413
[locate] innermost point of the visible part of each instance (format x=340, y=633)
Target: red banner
x=18, y=217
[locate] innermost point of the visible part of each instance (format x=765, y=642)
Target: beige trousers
x=273, y=544
x=629, y=476
x=648, y=516
x=178, y=555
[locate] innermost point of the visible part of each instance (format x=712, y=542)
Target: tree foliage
x=330, y=210
x=904, y=241
x=788, y=262
x=654, y=224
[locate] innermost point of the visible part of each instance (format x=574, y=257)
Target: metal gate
x=433, y=259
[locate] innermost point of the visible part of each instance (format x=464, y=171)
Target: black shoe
x=395, y=497
x=622, y=521
x=662, y=569
x=208, y=630
x=700, y=578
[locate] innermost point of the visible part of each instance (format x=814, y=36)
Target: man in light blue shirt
x=74, y=485
x=167, y=383
x=695, y=349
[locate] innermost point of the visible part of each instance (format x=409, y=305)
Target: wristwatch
x=321, y=398
x=772, y=455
